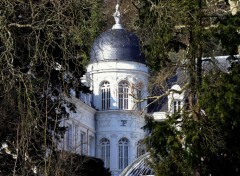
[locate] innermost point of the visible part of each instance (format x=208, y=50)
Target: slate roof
x=117, y=44
x=180, y=77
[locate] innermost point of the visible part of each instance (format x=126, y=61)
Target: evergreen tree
x=195, y=141
x=220, y=103
x=181, y=145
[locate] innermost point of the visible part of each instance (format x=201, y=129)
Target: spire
x=117, y=17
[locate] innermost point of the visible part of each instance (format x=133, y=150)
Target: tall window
x=138, y=98
x=105, y=88
x=123, y=145
x=77, y=137
x=83, y=143
x=69, y=137
x=91, y=145
x=176, y=106
x=105, y=152
x=123, y=95
x=141, y=149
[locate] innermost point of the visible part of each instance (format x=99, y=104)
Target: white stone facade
x=109, y=124
x=113, y=134
x=80, y=136
x=136, y=74
x=115, y=124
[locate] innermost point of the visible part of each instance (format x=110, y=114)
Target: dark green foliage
x=165, y=144
x=167, y=26
x=197, y=28
x=77, y=165
x=202, y=140
x=228, y=33
x=183, y=145
x=220, y=102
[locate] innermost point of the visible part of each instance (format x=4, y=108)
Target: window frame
x=69, y=137
x=141, y=148
x=105, y=95
x=105, y=151
x=123, y=98
x=83, y=143
x=177, y=105
x=91, y=145
x=123, y=153
x=139, y=97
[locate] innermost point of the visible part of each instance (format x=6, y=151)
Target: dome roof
x=117, y=44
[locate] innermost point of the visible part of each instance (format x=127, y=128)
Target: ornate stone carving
x=124, y=123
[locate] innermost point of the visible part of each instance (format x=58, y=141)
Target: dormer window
x=175, y=100
x=123, y=95
x=105, y=91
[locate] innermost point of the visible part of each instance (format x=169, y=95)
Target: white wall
x=115, y=124
x=80, y=122
x=114, y=72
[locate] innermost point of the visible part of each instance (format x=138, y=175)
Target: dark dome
x=117, y=44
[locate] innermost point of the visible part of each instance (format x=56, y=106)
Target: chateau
x=107, y=123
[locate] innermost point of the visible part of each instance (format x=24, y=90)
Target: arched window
x=105, y=88
x=139, y=96
x=105, y=152
x=123, y=95
x=123, y=145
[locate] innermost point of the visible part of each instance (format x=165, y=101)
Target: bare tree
x=44, y=47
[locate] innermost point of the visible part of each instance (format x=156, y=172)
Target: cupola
x=117, y=44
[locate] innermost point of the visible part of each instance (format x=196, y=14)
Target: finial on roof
x=117, y=18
